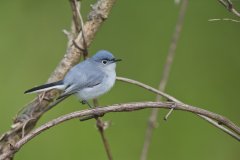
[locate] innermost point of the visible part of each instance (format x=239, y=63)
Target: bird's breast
x=98, y=90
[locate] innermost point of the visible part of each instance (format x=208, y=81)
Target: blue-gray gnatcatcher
x=87, y=80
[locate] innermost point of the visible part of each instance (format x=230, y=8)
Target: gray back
x=84, y=75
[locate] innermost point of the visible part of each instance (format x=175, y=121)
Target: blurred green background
x=205, y=73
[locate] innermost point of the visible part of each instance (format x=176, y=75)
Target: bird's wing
x=83, y=75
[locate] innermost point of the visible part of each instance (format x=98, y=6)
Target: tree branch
x=163, y=82
x=229, y=6
x=128, y=107
x=79, y=25
x=230, y=126
x=101, y=125
x=31, y=113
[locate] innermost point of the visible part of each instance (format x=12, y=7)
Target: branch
x=101, y=125
x=163, y=82
x=31, y=113
x=79, y=25
x=230, y=126
x=229, y=6
x=223, y=19
x=149, y=88
x=128, y=107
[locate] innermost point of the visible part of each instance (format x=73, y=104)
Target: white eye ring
x=104, y=61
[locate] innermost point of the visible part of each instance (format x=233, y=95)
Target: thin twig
x=149, y=88
x=229, y=6
x=229, y=125
x=78, y=19
x=223, y=19
x=163, y=82
x=77, y=27
x=83, y=33
x=128, y=107
x=101, y=125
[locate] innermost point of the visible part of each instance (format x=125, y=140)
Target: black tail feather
x=44, y=86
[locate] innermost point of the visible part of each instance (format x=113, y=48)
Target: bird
x=87, y=80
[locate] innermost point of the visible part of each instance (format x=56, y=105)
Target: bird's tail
x=46, y=87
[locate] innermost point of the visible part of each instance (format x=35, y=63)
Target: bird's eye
x=104, y=61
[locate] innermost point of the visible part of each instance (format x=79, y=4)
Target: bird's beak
x=116, y=60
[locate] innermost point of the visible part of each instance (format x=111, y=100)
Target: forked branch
x=230, y=128
x=128, y=107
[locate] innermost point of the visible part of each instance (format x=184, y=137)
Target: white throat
x=109, y=68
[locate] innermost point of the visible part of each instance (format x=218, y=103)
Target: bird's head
x=105, y=60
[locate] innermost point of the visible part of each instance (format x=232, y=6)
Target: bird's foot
x=86, y=102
